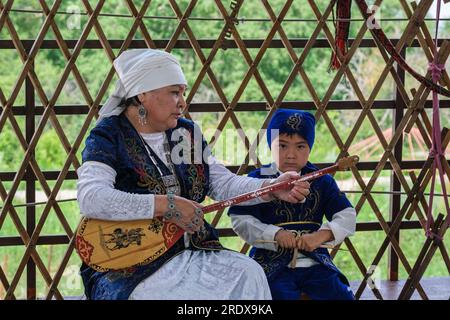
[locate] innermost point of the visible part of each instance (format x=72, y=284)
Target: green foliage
x=49, y=151
x=9, y=147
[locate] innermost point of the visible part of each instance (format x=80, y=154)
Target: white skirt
x=205, y=275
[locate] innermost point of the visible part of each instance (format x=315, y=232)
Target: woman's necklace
x=170, y=181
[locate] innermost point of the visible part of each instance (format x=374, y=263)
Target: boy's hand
x=286, y=239
x=311, y=241
x=297, y=193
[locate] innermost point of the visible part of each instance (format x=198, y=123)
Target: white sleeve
x=343, y=225
x=251, y=229
x=98, y=198
x=224, y=184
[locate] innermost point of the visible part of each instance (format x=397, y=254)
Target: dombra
x=118, y=245
x=114, y=245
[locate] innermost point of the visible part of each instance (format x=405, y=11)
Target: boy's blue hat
x=289, y=121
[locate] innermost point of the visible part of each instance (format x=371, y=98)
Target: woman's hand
x=297, y=193
x=285, y=239
x=184, y=215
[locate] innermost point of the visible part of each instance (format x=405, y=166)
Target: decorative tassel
x=343, y=11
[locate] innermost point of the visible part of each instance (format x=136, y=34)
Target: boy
x=276, y=228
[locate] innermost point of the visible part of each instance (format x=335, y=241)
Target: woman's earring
x=142, y=115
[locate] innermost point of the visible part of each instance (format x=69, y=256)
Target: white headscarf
x=141, y=70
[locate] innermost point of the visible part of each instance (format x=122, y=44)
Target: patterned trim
x=294, y=121
x=195, y=172
x=198, y=180
x=147, y=174
x=297, y=222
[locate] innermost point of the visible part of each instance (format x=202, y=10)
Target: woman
x=142, y=161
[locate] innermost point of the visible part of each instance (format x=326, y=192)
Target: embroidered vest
x=324, y=199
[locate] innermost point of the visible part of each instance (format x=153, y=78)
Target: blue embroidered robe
x=115, y=142
x=325, y=199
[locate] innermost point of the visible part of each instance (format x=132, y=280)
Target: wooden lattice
x=410, y=106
